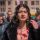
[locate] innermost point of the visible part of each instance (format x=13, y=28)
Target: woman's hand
x=34, y=23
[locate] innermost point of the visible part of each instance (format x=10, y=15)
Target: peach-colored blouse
x=22, y=34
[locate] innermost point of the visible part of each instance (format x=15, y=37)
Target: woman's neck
x=22, y=24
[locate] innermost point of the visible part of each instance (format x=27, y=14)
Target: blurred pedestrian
x=9, y=15
x=38, y=18
x=38, y=21
x=3, y=25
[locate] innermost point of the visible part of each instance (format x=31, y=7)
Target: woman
x=21, y=27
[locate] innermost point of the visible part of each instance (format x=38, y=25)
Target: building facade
x=5, y=5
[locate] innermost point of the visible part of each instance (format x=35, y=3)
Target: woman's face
x=23, y=14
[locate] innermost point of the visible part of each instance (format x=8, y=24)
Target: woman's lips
x=22, y=16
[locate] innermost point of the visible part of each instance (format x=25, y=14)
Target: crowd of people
x=20, y=26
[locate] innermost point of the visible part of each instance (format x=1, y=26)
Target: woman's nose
x=23, y=13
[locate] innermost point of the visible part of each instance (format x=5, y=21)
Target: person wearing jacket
x=9, y=15
x=21, y=27
x=38, y=21
x=3, y=25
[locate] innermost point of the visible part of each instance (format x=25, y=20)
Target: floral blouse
x=22, y=34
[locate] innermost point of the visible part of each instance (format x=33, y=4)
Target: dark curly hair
x=15, y=18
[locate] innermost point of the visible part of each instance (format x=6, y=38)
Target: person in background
x=38, y=18
x=21, y=27
x=9, y=15
x=3, y=25
x=38, y=21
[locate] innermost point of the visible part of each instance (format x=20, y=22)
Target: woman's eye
x=22, y=11
x=25, y=11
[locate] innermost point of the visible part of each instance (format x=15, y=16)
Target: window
x=2, y=9
x=33, y=8
x=37, y=2
x=15, y=2
x=25, y=2
x=21, y=2
x=32, y=3
x=2, y=3
x=9, y=2
x=37, y=8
